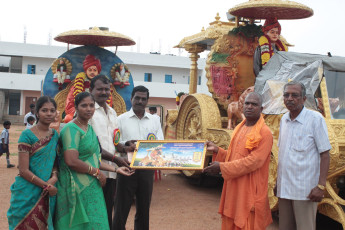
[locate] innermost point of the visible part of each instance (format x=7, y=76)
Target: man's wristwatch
x=321, y=187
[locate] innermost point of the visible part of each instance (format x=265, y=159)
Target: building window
x=31, y=69
x=199, y=80
x=5, y=64
x=148, y=77
x=14, y=103
x=168, y=78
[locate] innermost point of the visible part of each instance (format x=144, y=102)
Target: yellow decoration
x=79, y=83
x=197, y=156
x=66, y=61
x=267, y=50
x=266, y=56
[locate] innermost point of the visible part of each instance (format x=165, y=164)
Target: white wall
x=42, y=64
x=16, y=81
x=168, y=90
x=138, y=63
x=179, y=76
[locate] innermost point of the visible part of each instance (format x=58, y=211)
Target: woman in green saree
x=33, y=192
x=80, y=199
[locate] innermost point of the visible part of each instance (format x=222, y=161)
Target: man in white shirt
x=31, y=113
x=303, y=161
x=104, y=122
x=136, y=124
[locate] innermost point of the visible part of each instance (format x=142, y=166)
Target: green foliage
x=190, y=165
x=180, y=94
x=137, y=161
x=249, y=31
x=148, y=145
x=219, y=58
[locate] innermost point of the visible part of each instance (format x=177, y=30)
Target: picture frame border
x=203, y=157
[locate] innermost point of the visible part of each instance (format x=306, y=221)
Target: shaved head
x=252, y=108
x=255, y=95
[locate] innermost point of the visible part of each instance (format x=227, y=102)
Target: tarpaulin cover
x=284, y=66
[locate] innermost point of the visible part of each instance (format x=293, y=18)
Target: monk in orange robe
x=244, y=167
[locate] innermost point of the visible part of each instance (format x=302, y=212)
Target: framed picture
x=169, y=154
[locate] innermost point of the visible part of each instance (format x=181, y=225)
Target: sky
x=159, y=25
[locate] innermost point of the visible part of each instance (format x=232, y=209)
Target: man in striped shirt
x=303, y=161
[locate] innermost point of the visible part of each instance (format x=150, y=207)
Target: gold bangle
x=96, y=173
x=321, y=187
x=46, y=187
x=32, y=178
x=55, y=172
x=90, y=170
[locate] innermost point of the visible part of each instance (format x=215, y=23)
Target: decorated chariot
x=71, y=72
x=230, y=77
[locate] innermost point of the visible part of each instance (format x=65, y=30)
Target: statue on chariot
x=74, y=69
x=245, y=56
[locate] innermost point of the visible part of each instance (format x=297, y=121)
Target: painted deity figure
x=61, y=73
x=92, y=67
x=121, y=76
x=269, y=44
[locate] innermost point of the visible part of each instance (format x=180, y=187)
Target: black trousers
x=109, y=197
x=140, y=185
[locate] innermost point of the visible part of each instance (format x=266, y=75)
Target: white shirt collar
x=300, y=118
x=131, y=114
x=97, y=106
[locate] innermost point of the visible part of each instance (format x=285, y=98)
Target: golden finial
x=289, y=80
x=202, y=29
x=217, y=17
x=95, y=28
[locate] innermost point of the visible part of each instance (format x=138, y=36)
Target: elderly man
x=104, y=122
x=136, y=124
x=303, y=161
x=244, y=167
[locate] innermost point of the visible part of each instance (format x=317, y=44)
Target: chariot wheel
x=198, y=112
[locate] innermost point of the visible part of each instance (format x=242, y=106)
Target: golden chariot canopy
x=207, y=37
x=98, y=36
x=262, y=9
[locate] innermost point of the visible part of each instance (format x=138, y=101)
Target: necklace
x=39, y=133
x=81, y=124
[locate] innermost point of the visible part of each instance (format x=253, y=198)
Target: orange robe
x=244, y=201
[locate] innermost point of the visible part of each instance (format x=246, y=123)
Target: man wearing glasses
x=303, y=161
